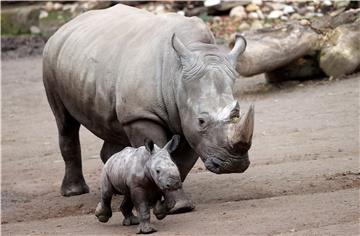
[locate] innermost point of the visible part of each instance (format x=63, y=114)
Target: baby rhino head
x=162, y=168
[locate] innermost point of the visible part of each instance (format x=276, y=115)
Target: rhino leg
x=68, y=128
x=126, y=209
x=108, y=149
x=103, y=210
x=185, y=158
x=141, y=203
x=138, y=131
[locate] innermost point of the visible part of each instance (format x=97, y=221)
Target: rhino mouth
x=171, y=184
x=218, y=166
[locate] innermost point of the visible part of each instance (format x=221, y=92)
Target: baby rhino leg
x=126, y=209
x=103, y=210
x=142, y=206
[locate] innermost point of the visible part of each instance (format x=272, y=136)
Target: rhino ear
x=173, y=144
x=180, y=48
x=187, y=58
x=149, y=145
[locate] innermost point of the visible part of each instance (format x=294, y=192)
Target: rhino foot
x=160, y=210
x=131, y=220
x=72, y=189
x=177, y=202
x=103, y=213
x=146, y=228
x=182, y=206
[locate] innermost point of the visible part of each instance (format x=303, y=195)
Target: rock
x=309, y=15
x=238, y=13
x=268, y=24
x=310, y=8
x=327, y=3
x=211, y=3
x=341, y=54
x=257, y=2
x=243, y=27
x=252, y=7
x=256, y=24
x=43, y=14
x=159, y=9
x=304, y=22
x=71, y=7
x=295, y=16
x=275, y=14
x=253, y=16
x=49, y=6
x=260, y=14
x=266, y=9
x=276, y=5
x=196, y=11
x=181, y=13
x=217, y=19
x=34, y=30
x=227, y=5
x=288, y=10
x=302, y=11
x=341, y=4
x=331, y=22
x=57, y=6
x=92, y=5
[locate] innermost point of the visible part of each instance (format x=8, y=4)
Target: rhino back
x=114, y=66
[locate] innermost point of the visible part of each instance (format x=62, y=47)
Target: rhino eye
x=158, y=171
x=201, y=122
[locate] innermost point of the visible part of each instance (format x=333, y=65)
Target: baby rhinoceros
x=142, y=175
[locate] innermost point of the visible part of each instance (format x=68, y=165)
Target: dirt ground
x=304, y=178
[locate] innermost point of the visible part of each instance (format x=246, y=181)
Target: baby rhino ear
x=173, y=144
x=149, y=145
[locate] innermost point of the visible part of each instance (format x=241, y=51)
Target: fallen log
x=341, y=53
x=305, y=49
x=271, y=48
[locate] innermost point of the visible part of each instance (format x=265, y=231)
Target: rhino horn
x=244, y=129
x=238, y=49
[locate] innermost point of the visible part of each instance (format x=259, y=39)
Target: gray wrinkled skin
x=126, y=75
x=141, y=174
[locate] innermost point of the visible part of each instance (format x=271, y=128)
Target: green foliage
x=204, y=16
x=18, y=21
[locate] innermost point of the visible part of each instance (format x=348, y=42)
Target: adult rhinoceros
x=126, y=75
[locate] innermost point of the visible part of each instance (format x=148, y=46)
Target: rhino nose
x=215, y=163
x=173, y=184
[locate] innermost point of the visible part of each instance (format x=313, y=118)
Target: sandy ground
x=304, y=178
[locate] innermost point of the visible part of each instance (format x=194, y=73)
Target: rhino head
x=210, y=116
